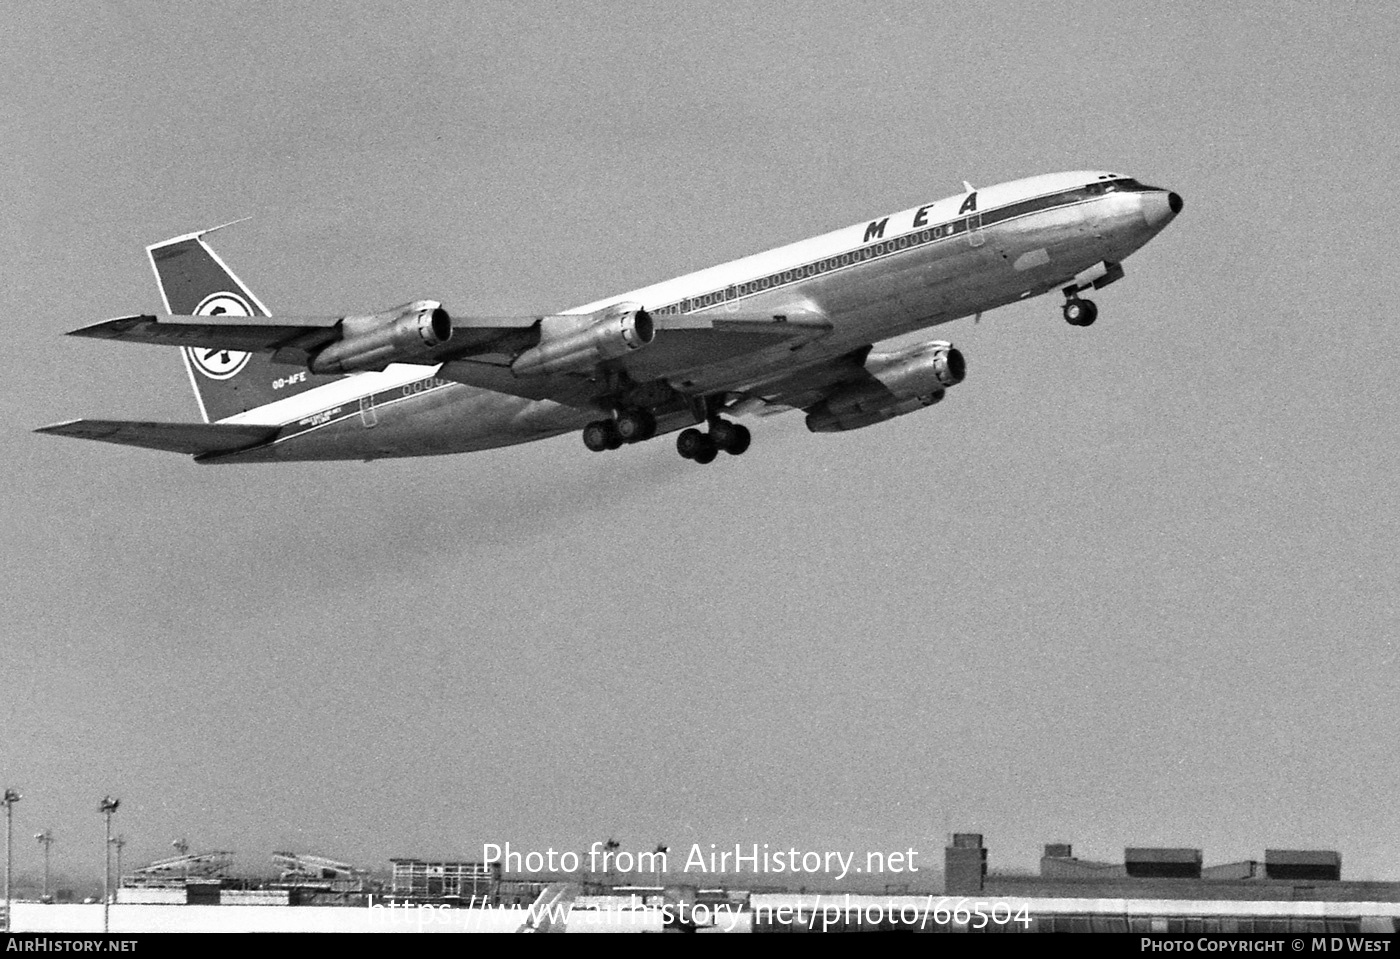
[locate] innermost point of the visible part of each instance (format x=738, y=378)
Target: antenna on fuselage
x=243, y=219
x=968, y=187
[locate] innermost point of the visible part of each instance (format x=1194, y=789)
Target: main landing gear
x=633, y=425
x=1079, y=312
x=630, y=426
x=732, y=438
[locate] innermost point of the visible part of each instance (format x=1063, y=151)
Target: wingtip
x=57, y=427
x=103, y=329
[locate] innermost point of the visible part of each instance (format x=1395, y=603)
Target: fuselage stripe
x=379, y=401
x=891, y=247
x=838, y=262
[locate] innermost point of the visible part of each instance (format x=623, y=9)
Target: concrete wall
x=87, y=918
x=1218, y=889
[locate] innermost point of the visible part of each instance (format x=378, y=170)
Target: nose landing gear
x=1083, y=312
x=1079, y=312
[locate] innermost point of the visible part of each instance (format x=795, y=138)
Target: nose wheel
x=1080, y=312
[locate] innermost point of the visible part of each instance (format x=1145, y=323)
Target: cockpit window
x=1128, y=185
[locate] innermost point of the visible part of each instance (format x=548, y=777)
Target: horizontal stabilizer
x=193, y=438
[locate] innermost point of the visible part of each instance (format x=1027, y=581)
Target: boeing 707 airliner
x=792, y=328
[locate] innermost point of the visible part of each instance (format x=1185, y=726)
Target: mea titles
x=756, y=859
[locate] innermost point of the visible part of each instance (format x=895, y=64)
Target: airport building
x=1153, y=890
x=448, y=883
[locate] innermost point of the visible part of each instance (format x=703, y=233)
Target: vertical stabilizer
x=195, y=282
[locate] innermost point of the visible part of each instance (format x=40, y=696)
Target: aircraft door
x=367, y=414
x=975, y=236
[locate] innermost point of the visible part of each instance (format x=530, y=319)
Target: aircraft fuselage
x=878, y=279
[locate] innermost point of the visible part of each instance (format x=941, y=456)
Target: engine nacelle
x=404, y=334
x=575, y=344
x=899, y=383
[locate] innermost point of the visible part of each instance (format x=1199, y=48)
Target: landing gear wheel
x=1080, y=312
x=691, y=442
x=633, y=426
x=708, y=453
x=601, y=435
x=733, y=438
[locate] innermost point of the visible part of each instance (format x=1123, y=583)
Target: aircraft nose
x=1160, y=207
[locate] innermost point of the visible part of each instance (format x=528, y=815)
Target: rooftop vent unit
x=1153, y=863
x=1307, y=864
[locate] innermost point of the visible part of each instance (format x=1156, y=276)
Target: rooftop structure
x=416, y=880
x=1159, y=889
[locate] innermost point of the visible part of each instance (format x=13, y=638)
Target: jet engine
x=570, y=344
x=895, y=384
x=404, y=334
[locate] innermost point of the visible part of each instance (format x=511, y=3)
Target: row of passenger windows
x=919, y=238
x=813, y=269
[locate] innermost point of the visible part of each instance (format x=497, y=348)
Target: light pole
x=46, y=840
x=182, y=847
x=107, y=806
x=12, y=796
x=118, y=842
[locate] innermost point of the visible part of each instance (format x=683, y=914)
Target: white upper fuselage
x=877, y=279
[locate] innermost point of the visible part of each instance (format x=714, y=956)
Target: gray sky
x=1132, y=585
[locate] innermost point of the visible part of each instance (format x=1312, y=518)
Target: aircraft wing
x=194, y=438
x=249, y=334
x=294, y=337
x=481, y=349
x=683, y=342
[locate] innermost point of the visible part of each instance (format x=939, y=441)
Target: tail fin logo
x=220, y=364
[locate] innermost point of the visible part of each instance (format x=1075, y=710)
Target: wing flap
x=693, y=341
x=783, y=323
x=683, y=342
x=561, y=388
x=192, y=438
